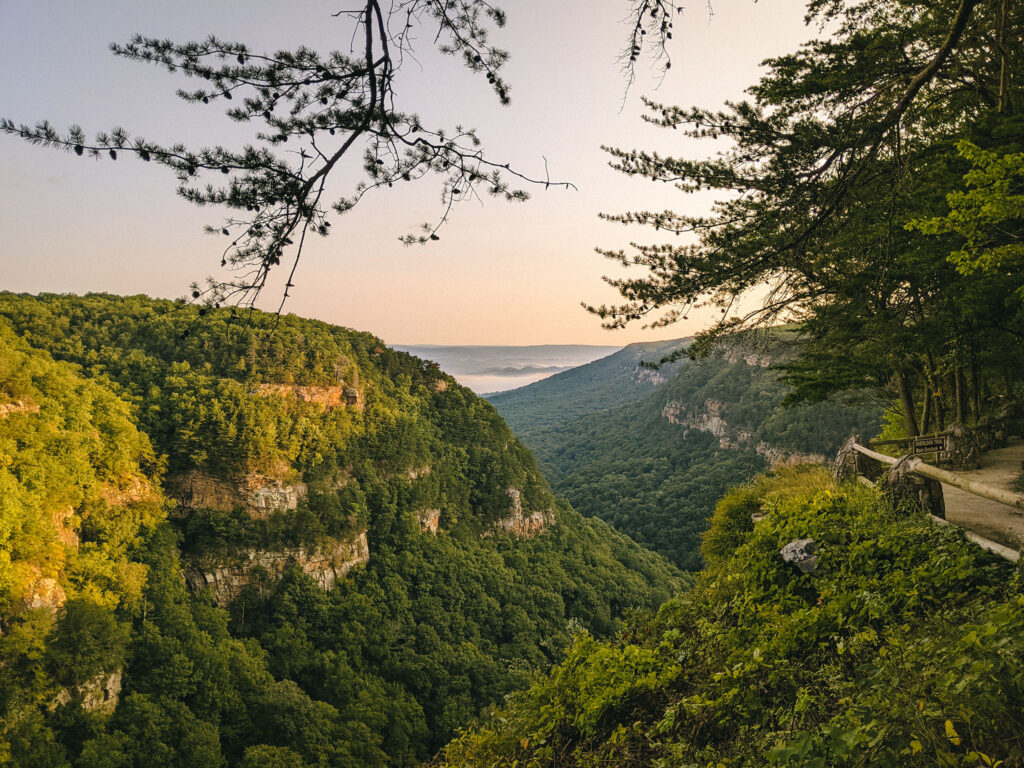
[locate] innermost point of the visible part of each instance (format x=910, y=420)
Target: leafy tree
x=843, y=143
x=88, y=641
x=989, y=214
x=903, y=649
x=383, y=668
x=264, y=756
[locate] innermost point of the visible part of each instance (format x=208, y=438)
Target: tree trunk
x=975, y=387
x=959, y=395
x=1001, y=105
x=940, y=407
x=926, y=410
x=907, y=400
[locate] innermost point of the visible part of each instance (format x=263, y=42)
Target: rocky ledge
x=259, y=495
x=99, y=695
x=327, y=563
x=518, y=522
x=710, y=418
x=429, y=519
x=18, y=406
x=329, y=397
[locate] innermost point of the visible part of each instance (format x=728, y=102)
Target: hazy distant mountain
x=604, y=383
x=497, y=368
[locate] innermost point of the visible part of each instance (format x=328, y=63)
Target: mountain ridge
x=346, y=558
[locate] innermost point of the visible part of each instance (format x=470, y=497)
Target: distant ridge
x=604, y=383
x=497, y=368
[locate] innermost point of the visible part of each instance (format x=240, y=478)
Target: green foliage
x=381, y=670
x=88, y=641
x=657, y=481
x=823, y=175
x=906, y=649
x=263, y=756
x=988, y=215
x=68, y=451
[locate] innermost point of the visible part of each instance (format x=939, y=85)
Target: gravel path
x=998, y=522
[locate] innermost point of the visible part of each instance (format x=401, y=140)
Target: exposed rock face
x=128, y=490
x=753, y=359
x=195, y=490
x=649, y=376
x=100, y=694
x=264, y=497
x=711, y=419
x=753, y=352
x=259, y=495
x=354, y=398
x=18, y=406
x=328, y=397
x=417, y=472
x=779, y=458
x=327, y=564
x=517, y=522
x=440, y=385
x=708, y=419
x=44, y=592
x=61, y=519
x=429, y=519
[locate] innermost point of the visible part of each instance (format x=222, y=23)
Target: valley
x=652, y=450
x=273, y=540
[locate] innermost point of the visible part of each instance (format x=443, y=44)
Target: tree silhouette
x=312, y=110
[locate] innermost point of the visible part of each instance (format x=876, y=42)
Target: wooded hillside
x=268, y=541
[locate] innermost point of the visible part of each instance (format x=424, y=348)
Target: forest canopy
x=871, y=181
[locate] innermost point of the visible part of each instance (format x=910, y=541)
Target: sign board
x=929, y=444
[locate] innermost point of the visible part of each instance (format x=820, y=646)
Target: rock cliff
x=259, y=495
x=429, y=519
x=43, y=592
x=18, y=406
x=327, y=563
x=99, y=695
x=517, y=522
x=711, y=418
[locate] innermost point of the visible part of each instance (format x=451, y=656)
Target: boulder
x=802, y=554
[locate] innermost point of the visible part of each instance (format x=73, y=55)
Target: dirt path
x=998, y=522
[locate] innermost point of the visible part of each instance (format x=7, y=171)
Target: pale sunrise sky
x=501, y=274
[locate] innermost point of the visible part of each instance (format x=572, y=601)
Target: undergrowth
x=904, y=650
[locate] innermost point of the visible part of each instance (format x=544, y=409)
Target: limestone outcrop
x=43, y=592
x=429, y=519
x=62, y=521
x=650, y=376
x=706, y=419
x=259, y=495
x=711, y=418
x=99, y=695
x=18, y=406
x=327, y=563
x=802, y=554
x=517, y=522
x=417, y=472
x=329, y=397
x=128, y=490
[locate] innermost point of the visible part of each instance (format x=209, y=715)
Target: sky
x=500, y=274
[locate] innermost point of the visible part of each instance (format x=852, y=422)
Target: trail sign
x=930, y=444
